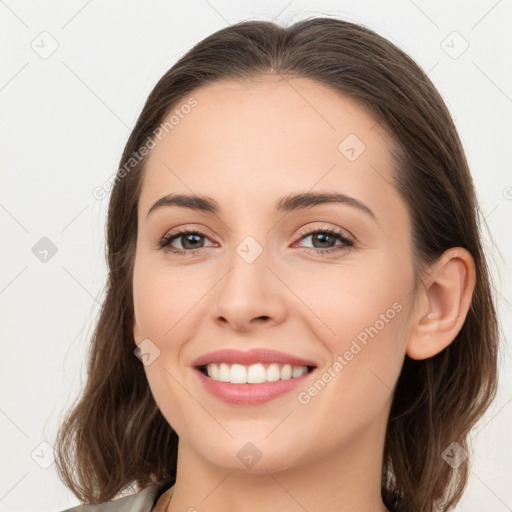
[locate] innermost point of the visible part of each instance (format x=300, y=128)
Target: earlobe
x=444, y=303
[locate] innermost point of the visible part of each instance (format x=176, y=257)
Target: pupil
x=187, y=240
x=325, y=236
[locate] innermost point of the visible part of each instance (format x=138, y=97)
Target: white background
x=65, y=120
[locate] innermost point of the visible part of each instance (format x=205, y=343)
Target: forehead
x=263, y=136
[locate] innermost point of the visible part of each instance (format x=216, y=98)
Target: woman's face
x=263, y=274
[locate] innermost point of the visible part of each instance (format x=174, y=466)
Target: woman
x=295, y=259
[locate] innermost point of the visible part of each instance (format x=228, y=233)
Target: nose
x=249, y=295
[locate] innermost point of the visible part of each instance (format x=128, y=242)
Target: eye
x=190, y=241
x=324, y=241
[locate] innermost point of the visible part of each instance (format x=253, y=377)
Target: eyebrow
x=287, y=203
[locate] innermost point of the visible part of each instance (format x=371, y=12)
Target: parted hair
x=115, y=438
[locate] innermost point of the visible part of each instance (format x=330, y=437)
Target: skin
x=247, y=145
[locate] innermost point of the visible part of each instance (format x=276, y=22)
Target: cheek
x=360, y=316
x=163, y=301
x=342, y=301
x=163, y=297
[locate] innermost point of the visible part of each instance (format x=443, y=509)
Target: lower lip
x=250, y=394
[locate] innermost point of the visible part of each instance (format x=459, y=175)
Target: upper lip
x=249, y=357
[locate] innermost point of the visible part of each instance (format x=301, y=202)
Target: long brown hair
x=116, y=438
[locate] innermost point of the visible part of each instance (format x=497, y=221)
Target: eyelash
x=347, y=242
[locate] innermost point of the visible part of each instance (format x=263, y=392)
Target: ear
x=442, y=304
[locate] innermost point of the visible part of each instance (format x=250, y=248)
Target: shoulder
x=142, y=501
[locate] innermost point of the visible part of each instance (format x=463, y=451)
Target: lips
x=250, y=357
x=255, y=392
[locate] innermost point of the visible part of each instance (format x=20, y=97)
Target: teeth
x=254, y=374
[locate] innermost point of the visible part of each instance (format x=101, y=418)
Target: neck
x=346, y=479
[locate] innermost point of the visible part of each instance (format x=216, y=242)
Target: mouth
x=251, y=377
x=254, y=373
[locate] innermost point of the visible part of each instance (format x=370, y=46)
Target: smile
x=251, y=377
x=255, y=373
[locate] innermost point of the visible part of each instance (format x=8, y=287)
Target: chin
x=250, y=457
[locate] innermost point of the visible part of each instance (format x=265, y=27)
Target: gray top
x=142, y=501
